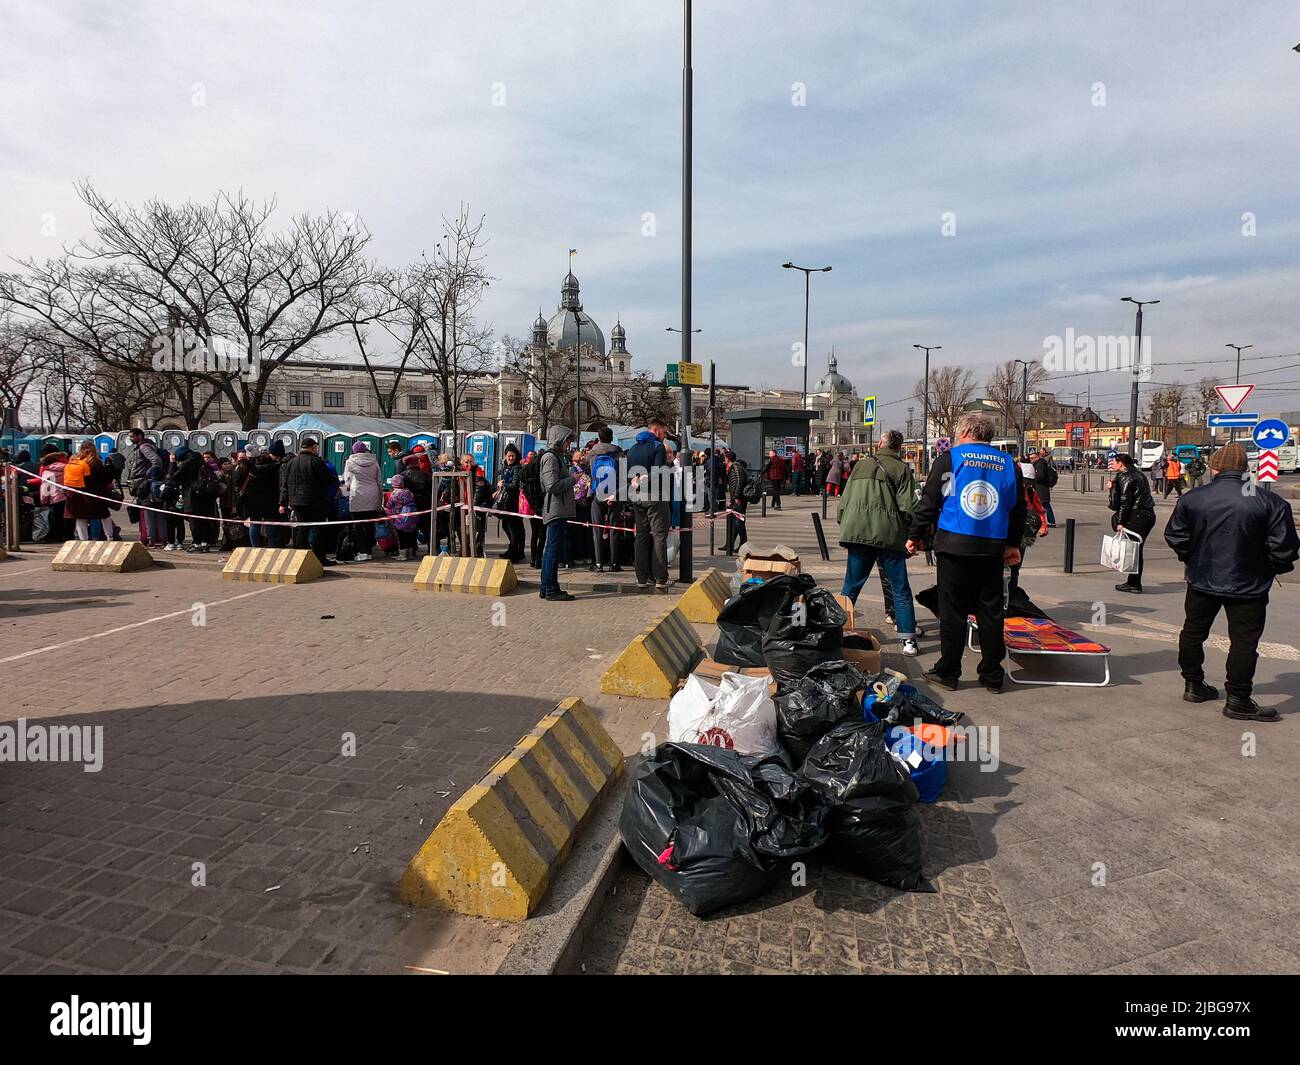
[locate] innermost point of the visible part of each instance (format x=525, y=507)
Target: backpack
x=604, y=477
x=1052, y=476
x=754, y=487
x=345, y=550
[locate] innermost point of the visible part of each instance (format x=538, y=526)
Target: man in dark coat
x=1134, y=509
x=306, y=486
x=1234, y=540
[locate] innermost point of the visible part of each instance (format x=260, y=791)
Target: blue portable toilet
x=174, y=438
x=104, y=443
x=482, y=448
x=288, y=437
x=200, y=440
x=524, y=443
x=259, y=438
x=428, y=440
x=225, y=442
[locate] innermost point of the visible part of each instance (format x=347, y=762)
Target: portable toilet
x=525, y=443
x=74, y=443
x=106, y=442
x=312, y=434
x=200, y=440
x=373, y=443
x=387, y=464
x=482, y=448
x=288, y=437
x=154, y=437
x=174, y=438
x=225, y=443
x=429, y=441
x=259, y=438
x=337, y=448
x=62, y=443
x=123, y=440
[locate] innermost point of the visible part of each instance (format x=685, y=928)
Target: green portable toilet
x=337, y=448
x=387, y=467
x=63, y=443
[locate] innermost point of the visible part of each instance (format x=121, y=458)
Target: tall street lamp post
x=808, y=271
x=1232, y=435
x=1024, y=406
x=925, y=406
x=1134, y=448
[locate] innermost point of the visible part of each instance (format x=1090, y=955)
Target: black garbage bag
x=795, y=641
x=874, y=825
x=745, y=617
x=713, y=826
x=1019, y=605
x=826, y=695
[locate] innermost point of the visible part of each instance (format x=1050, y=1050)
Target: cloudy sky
x=837, y=132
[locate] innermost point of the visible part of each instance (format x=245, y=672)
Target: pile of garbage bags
x=751, y=781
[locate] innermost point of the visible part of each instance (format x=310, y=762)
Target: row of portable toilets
x=484, y=447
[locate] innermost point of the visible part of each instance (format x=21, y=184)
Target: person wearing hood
x=257, y=488
x=557, y=508
x=363, y=485
x=603, y=464
x=507, y=498
x=652, y=504
x=399, y=507
x=145, y=465
x=198, y=496
x=834, y=475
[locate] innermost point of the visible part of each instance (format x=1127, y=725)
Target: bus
x=1153, y=455
x=1009, y=444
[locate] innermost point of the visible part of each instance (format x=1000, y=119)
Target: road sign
x=1270, y=434
x=1234, y=396
x=869, y=410
x=684, y=373
x=1267, y=468
x=1231, y=421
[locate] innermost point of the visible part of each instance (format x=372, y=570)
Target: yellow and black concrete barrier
x=703, y=600
x=102, y=556
x=478, y=576
x=651, y=666
x=494, y=852
x=272, y=565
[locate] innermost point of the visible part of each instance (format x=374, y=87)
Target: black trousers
x=364, y=531
x=309, y=536
x=736, y=535
x=513, y=526
x=537, y=541
x=970, y=584
x=1245, y=627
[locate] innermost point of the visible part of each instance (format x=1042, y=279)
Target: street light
x=925, y=406
x=1232, y=433
x=808, y=271
x=1135, y=452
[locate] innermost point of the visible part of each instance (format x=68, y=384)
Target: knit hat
x=399, y=481
x=1231, y=458
x=277, y=448
x=359, y=446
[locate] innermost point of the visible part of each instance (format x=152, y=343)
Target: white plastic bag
x=1119, y=551
x=737, y=714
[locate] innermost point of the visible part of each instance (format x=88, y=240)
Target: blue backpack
x=604, y=477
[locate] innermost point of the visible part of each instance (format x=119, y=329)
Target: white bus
x=1153, y=455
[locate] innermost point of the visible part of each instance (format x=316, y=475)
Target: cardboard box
x=763, y=565
x=846, y=604
x=866, y=658
x=712, y=671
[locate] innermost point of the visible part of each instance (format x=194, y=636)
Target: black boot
x=1197, y=691
x=1244, y=708
x=1136, y=589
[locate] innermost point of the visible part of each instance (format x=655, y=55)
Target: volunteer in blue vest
x=974, y=500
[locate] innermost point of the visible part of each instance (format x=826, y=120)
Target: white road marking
x=1152, y=629
x=14, y=573
x=133, y=625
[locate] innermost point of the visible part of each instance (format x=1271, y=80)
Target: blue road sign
x=1270, y=434
x=1232, y=421
x=869, y=410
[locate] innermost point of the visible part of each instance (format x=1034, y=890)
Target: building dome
x=833, y=380
x=562, y=331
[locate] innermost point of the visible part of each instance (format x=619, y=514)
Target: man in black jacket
x=1234, y=539
x=1045, y=478
x=305, y=486
x=974, y=499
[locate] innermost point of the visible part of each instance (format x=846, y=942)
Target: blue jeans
x=1047, y=506
x=894, y=563
x=797, y=478
x=556, y=534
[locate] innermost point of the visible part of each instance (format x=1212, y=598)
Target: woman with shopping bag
x=1134, y=511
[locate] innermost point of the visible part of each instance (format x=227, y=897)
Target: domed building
x=570, y=325
x=839, y=411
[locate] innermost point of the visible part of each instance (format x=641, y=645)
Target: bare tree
x=951, y=391
x=26, y=350
x=1005, y=389
x=548, y=378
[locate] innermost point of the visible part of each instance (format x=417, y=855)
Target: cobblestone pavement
x=223, y=745
x=836, y=923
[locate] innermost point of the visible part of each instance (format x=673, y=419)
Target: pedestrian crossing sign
x=869, y=411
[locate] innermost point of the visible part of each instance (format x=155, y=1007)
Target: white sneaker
x=910, y=649
x=362, y=558
x=169, y=547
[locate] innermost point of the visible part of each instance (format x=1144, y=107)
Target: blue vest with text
x=982, y=493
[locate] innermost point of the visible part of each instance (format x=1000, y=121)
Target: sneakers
x=664, y=586
x=170, y=547
x=1135, y=589
x=361, y=557
x=910, y=649
x=1197, y=691
x=559, y=597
